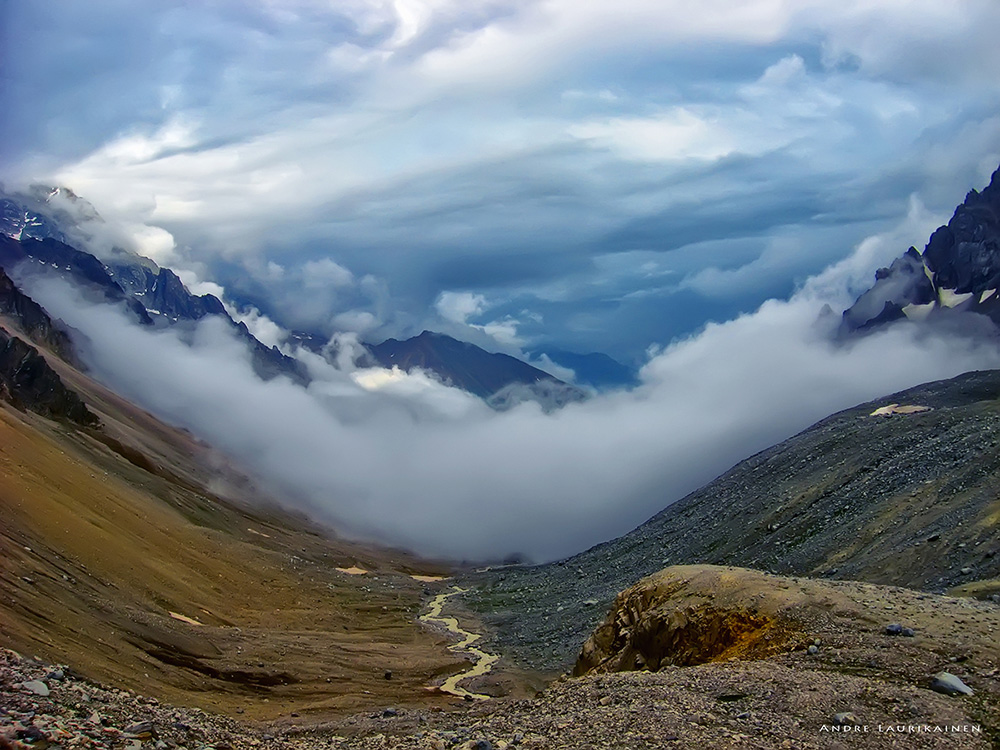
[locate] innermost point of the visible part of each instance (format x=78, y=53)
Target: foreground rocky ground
x=742, y=660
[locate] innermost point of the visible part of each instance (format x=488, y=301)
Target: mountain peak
x=467, y=366
x=959, y=269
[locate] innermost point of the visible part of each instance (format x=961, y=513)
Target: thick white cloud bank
x=407, y=461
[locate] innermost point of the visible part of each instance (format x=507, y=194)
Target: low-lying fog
x=408, y=461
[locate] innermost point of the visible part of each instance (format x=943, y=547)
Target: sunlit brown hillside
x=118, y=560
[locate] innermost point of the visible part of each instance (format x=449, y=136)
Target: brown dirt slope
x=116, y=560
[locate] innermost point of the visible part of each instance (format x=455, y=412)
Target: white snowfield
x=951, y=298
x=918, y=312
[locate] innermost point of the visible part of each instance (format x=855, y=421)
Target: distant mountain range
x=595, y=369
x=154, y=296
x=36, y=232
x=498, y=378
x=958, y=271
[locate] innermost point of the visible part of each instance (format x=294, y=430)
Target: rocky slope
x=908, y=499
x=958, y=271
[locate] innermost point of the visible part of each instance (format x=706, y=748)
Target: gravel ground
x=790, y=699
x=79, y=714
x=746, y=705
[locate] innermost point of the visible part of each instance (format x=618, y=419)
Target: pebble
x=813, y=649
x=140, y=729
x=845, y=718
x=37, y=687
x=949, y=684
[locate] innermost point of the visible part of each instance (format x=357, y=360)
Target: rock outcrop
x=688, y=615
x=959, y=270
x=28, y=382
x=29, y=316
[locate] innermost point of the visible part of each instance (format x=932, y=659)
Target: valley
x=162, y=598
x=156, y=594
x=123, y=564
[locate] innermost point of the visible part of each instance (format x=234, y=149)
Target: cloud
x=403, y=459
x=504, y=331
x=678, y=134
x=325, y=273
x=458, y=307
x=499, y=147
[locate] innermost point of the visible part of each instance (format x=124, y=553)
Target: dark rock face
x=33, y=320
x=27, y=381
x=20, y=222
x=463, y=365
x=903, y=283
x=162, y=293
x=958, y=270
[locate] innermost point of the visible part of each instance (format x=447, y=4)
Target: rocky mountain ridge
x=496, y=377
x=32, y=242
x=28, y=316
x=27, y=381
x=958, y=271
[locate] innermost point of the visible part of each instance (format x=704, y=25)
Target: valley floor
x=764, y=688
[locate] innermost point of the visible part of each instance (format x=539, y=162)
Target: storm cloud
x=578, y=165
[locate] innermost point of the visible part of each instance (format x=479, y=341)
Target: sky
x=589, y=175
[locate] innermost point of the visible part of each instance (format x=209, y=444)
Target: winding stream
x=483, y=661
